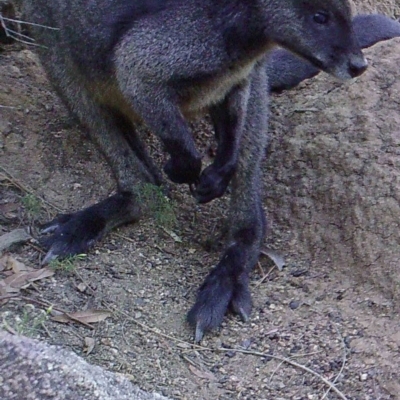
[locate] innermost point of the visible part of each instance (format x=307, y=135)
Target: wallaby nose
x=357, y=66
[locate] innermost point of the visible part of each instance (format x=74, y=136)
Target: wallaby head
x=320, y=31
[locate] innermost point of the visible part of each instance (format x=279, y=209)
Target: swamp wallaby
x=118, y=63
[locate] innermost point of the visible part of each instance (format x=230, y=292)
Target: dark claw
x=50, y=256
x=213, y=183
x=198, y=334
x=241, y=303
x=192, y=188
x=243, y=314
x=50, y=228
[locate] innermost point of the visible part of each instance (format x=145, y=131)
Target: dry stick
x=72, y=318
x=19, y=34
x=222, y=349
x=24, y=188
x=36, y=248
x=343, y=362
x=265, y=277
x=128, y=239
x=17, y=37
x=39, y=302
x=2, y=24
x=45, y=304
x=14, y=34
x=155, y=331
x=275, y=371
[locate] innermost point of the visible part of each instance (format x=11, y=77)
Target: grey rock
x=32, y=370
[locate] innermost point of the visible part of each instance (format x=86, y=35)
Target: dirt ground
x=147, y=276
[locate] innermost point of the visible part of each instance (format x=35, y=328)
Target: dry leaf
x=2, y=264
x=89, y=345
x=8, y=263
x=17, y=281
x=84, y=317
x=24, y=279
x=8, y=207
x=275, y=256
x=6, y=290
x=202, y=374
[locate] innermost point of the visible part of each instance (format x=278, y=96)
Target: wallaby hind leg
x=228, y=119
x=226, y=286
x=74, y=233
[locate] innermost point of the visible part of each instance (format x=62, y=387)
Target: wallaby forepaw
x=70, y=234
x=213, y=183
x=183, y=170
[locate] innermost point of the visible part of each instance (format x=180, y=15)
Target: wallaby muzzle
x=357, y=66
x=351, y=66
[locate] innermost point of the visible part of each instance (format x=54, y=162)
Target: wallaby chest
x=200, y=92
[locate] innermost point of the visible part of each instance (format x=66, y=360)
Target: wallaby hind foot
x=76, y=233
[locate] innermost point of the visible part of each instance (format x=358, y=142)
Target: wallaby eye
x=321, y=17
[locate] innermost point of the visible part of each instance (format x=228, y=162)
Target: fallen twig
x=8, y=107
x=26, y=189
x=343, y=363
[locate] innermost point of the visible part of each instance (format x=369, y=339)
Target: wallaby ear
x=374, y=28
x=286, y=70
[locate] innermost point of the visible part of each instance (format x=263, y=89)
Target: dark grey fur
x=119, y=63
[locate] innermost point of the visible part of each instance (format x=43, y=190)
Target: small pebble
x=298, y=272
x=294, y=304
x=363, y=377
